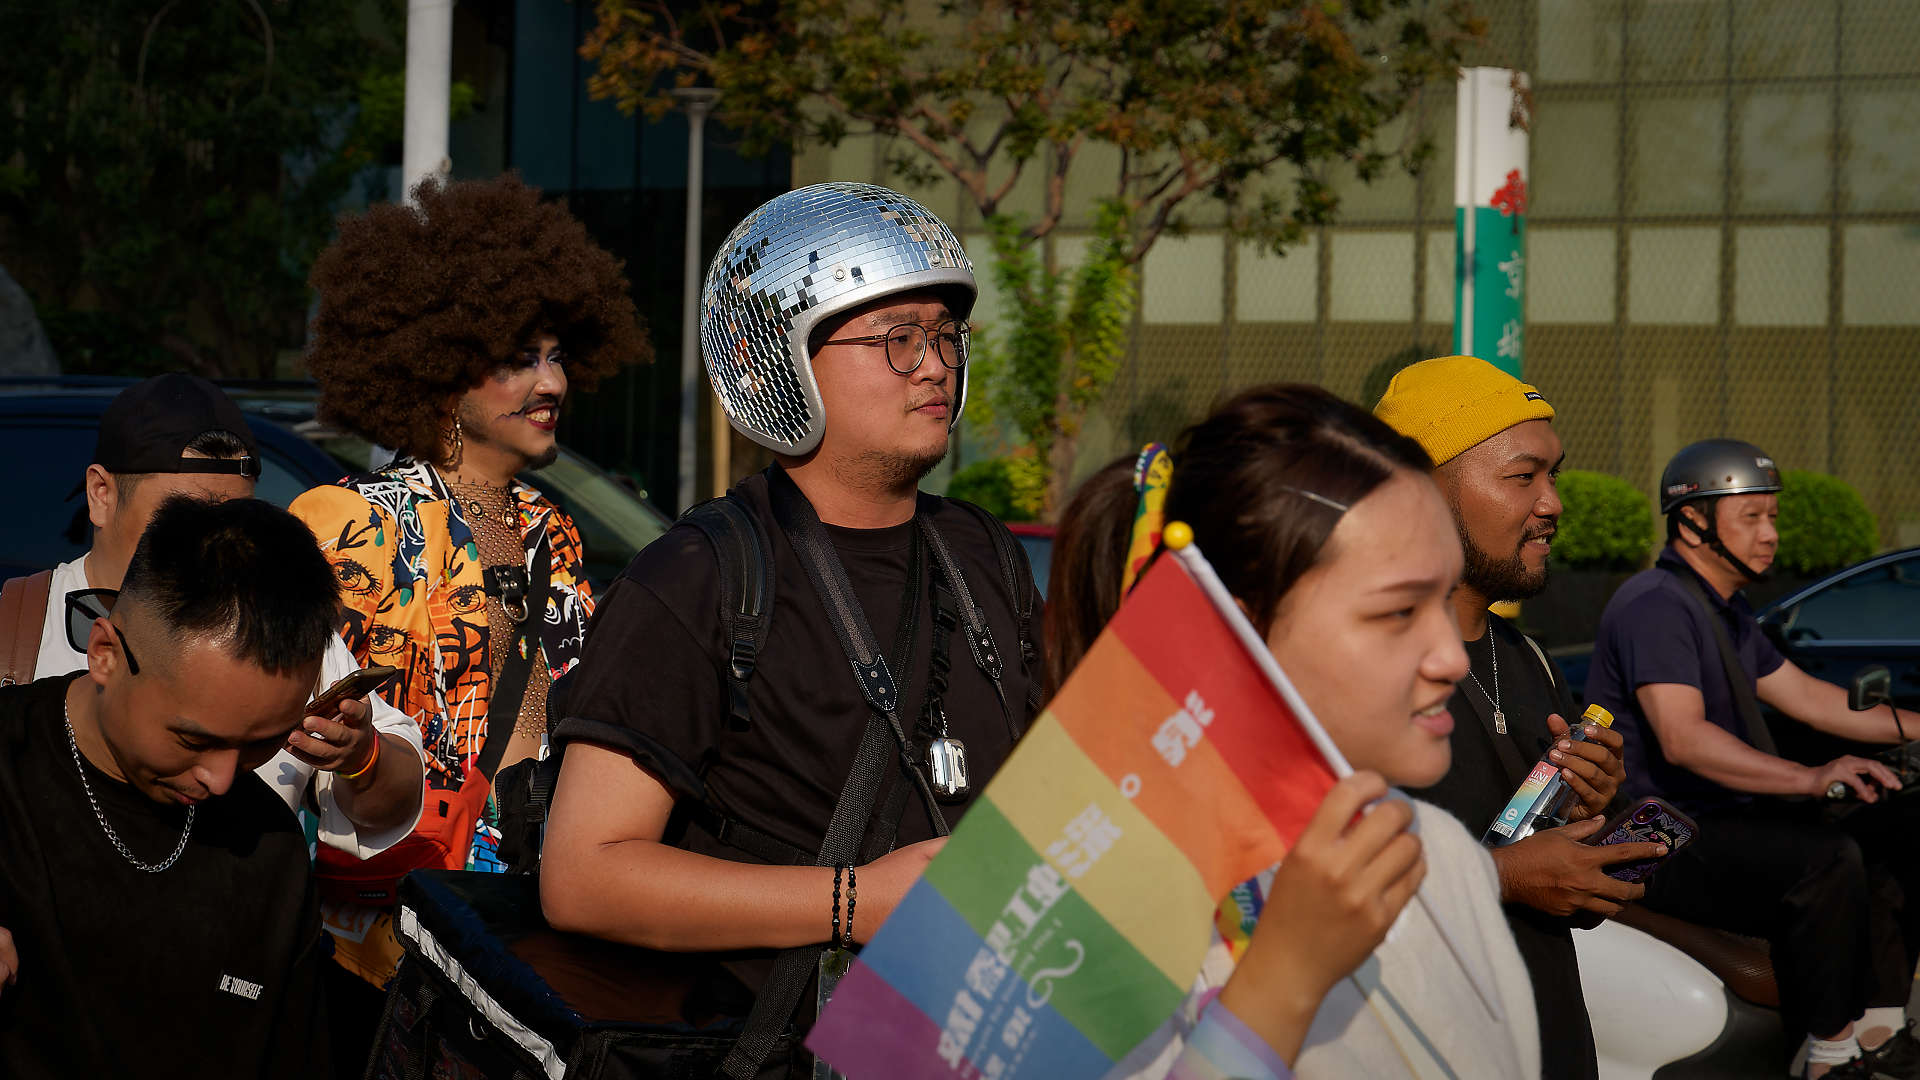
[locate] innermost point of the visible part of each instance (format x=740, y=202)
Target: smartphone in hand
x=357, y=684
x=1651, y=819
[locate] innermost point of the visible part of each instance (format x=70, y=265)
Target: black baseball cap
x=145, y=428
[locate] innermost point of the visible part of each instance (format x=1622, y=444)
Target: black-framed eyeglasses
x=86, y=605
x=906, y=345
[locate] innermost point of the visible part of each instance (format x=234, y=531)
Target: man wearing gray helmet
x=1827, y=896
x=770, y=791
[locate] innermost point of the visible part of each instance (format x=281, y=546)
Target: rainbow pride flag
x=1067, y=917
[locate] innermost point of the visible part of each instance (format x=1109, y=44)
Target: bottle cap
x=1597, y=715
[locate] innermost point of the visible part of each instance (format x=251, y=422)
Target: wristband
x=372, y=760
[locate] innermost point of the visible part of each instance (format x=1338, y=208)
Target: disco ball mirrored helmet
x=799, y=259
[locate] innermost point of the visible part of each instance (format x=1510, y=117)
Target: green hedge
x=1607, y=523
x=1009, y=488
x=1824, y=524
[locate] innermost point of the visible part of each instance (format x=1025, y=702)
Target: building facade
x=1723, y=239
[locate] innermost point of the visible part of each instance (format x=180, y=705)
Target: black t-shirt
x=652, y=680
x=1484, y=774
x=208, y=968
x=1478, y=784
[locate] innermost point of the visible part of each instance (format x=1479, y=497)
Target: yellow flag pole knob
x=1177, y=535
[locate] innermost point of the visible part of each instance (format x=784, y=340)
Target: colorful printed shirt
x=413, y=597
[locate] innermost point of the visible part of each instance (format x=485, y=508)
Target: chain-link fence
x=1724, y=239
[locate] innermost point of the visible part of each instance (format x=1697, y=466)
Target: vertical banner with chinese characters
x=1489, y=216
x=1065, y=920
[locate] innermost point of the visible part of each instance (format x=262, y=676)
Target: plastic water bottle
x=1541, y=793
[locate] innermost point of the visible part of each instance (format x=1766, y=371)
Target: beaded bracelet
x=837, y=871
x=851, y=894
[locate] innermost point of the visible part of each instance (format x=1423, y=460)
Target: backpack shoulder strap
x=746, y=586
x=746, y=581
x=23, y=612
x=1744, y=702
x=1014, y=571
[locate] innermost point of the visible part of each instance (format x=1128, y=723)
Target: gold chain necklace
x=488, y=503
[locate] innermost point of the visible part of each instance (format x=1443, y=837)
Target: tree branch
x=940, y=124
x=1164, y=212
x=1019, y=166
x=993, y=144
x=1063, y=156
x=973, y=180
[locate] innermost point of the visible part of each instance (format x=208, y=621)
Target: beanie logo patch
x=1532, y=396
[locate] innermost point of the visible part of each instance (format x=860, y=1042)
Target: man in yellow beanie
x=1497, y=456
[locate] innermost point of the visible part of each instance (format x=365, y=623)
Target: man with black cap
x=1682, y=664
x=179, y=434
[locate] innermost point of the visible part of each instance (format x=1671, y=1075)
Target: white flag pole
x=1201, y=571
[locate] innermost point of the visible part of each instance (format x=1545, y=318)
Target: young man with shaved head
x=162, y=918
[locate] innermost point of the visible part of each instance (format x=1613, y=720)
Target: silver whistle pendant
x=947, y=768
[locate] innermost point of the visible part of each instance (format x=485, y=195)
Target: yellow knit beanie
x=1452, y=404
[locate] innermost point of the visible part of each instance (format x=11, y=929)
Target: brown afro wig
x=420, y=303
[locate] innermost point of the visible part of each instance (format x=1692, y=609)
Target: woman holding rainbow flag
x=1327, y=529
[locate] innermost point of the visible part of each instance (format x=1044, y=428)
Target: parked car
x=47, y=431
x=1037, y=541
x=1868, y=613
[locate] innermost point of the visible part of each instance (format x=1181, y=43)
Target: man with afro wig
x=451, y=330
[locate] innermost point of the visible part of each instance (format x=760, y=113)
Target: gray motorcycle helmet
x=1716, y=467
x=803, y=257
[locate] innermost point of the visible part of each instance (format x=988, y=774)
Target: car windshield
x=1872, y=605
x=614, y=522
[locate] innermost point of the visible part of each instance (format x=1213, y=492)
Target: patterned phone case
x=1649, y=819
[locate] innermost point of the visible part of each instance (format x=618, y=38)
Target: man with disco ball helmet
x=1683, y=665
x=790, y=698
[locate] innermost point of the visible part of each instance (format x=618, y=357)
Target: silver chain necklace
x=1493, y=651
x=120, y=845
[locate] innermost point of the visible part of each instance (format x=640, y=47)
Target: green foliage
x=1200, y=96
x=380, y=121
x=102, y=343
x=1607, y=523
x=1011, y=488
x=171, y=169
x=1824, y=524
x=1064, y=336
x=1210, y=99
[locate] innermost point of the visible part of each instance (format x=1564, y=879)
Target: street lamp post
x=423, y=147
x=699, y=101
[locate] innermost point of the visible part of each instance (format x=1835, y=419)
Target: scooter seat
x=1742, y=963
